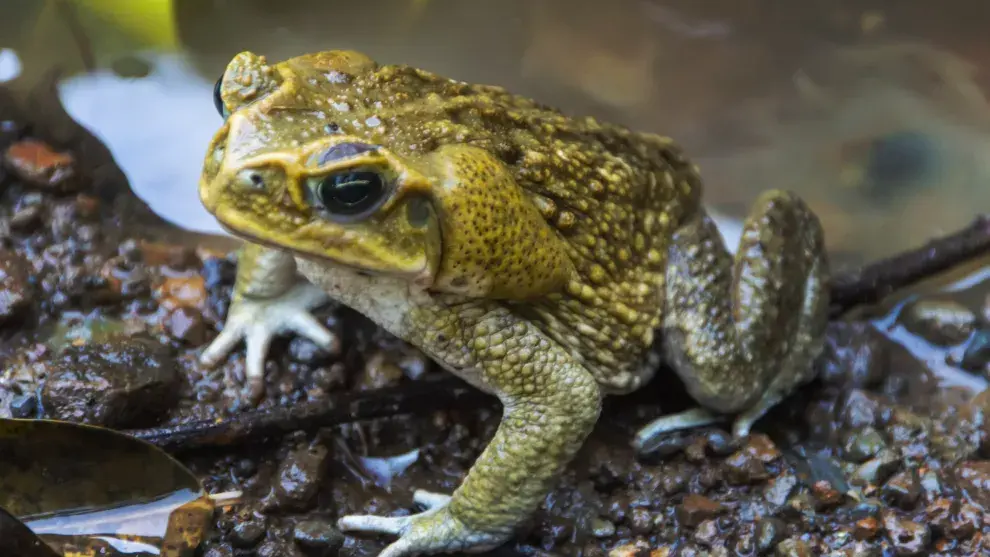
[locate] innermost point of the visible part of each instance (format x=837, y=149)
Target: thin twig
x=863, y=286
x=354, y=406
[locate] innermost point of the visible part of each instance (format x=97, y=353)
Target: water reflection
x=873, y=111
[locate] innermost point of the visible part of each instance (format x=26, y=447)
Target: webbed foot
x=434, y=530
x=258, y=320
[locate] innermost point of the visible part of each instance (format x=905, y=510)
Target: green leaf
x=86, y=490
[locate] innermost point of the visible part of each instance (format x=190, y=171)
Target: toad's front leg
x=551, y=405
x=269, y=298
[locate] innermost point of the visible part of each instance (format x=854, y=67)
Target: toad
x=533, y=254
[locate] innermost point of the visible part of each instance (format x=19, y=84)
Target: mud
x=883, y=455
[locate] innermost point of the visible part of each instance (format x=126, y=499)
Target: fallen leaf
x=87, y=491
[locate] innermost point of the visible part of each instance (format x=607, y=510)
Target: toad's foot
x=650, y=435
x=258, y=320
x=434, y=530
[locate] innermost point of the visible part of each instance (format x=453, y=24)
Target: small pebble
x=186, y=325
x=247, y=534
x=907, y=537
x=299, y=477
x=707, y=533
x=24, y=406
x=602, y=528
x=769, y=531
x=866, y=528
x=780, y=489
x=318, y=537
x=793, y=548
x=903, y=489
x=221, y=550
x=695, y=509
x=863, y=444
x=278, y=548
x=977, y=353
x=974, y=477
x=640, y=521
x=940, y=322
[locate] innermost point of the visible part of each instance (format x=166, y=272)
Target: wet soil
x=101, y=322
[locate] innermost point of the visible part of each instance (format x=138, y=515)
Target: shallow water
x=873, y=111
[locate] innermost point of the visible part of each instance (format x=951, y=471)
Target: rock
x=903, y=489
x=940, y=322
x=639, y=548
x=768, y=533
x=602, y=528
x=125, y=384
x=973, y=477
x=40, y=166
x=977, y=353
x=219, y=550
x=938, y=515
x=318, y=537
x=186, y=325
x=720, y=443
x=299, y=477
x=640, y=521
x=858, y=410
x=28, y=210
x=966, y=522
x=826, y=496
x=305, y=351
x=177, y=292
x=907, y=537
x=247, y=534
x=748, y=464
x=854, y=355
x=877, y=469
x=278, y=548
x=695, y=509
x=15, y=288
x=707, y=533
x=379, y=373
x=863, y=444
x=24, y=406
x=866, y=528
x=793, y=548
x=126, y=279
x=780, y=489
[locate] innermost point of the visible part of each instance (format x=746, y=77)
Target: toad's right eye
x=218, y=100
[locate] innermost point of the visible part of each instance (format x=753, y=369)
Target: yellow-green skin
x=531, y=253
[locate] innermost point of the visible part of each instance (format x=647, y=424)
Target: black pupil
x=351, y=192
x=217, y=100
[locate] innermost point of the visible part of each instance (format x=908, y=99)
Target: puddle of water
x=157, y=128
x=876, y=114
x=970, y=287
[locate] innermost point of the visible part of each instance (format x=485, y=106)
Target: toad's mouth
x=245, y=233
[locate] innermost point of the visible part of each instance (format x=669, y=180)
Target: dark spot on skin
x=331, y=128
x=418, y=212
x=344, y=151
x=458, y=282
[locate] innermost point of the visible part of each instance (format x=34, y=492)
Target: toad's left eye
x=350, y=193
x=218, y=100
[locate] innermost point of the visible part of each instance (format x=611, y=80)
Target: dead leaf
x=87, y=491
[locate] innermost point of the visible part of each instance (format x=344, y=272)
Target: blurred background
x=873, y=111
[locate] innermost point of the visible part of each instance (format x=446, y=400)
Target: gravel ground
x=884, y=455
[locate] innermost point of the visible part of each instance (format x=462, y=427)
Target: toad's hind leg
x=742, y=335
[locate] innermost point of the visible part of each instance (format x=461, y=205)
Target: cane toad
x=533, y=254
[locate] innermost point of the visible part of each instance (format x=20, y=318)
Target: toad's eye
x=350, y=193
x=218, y=100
